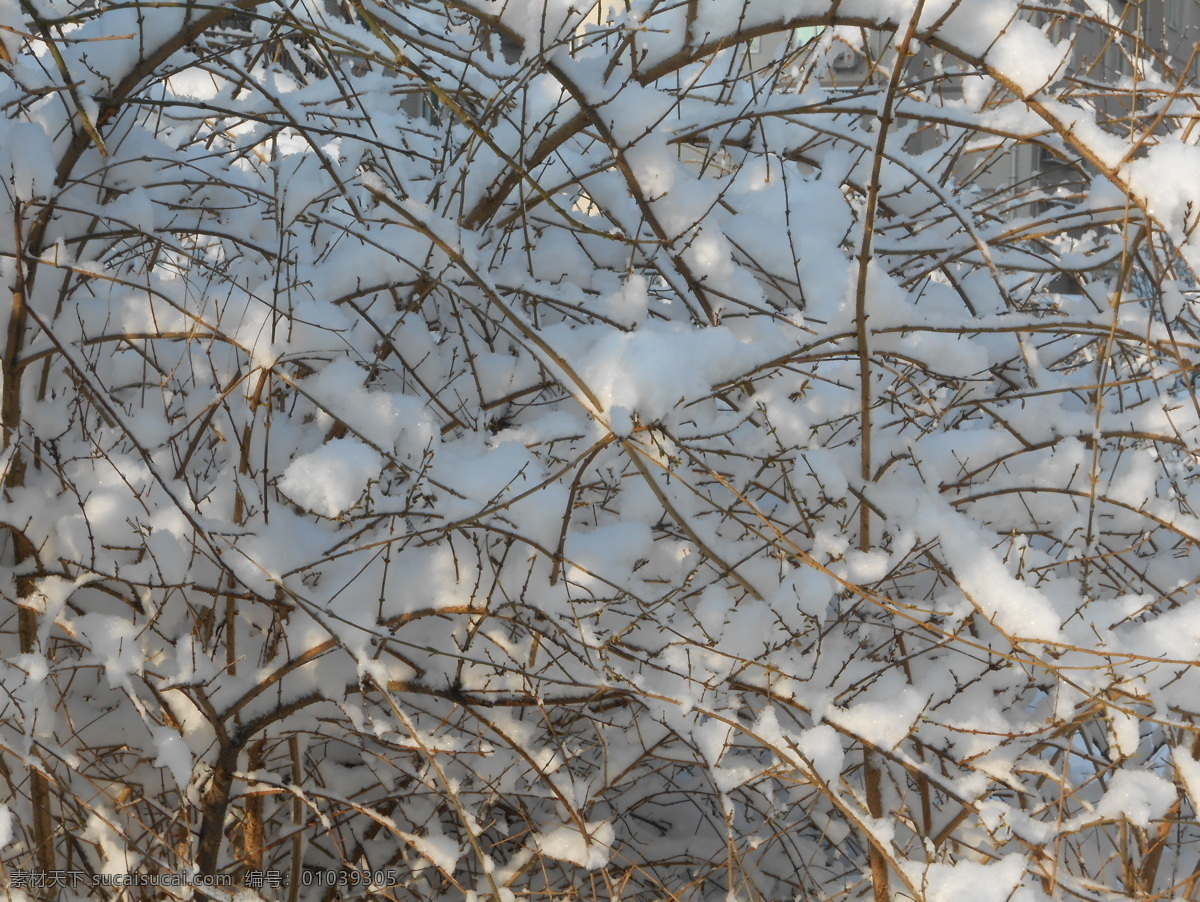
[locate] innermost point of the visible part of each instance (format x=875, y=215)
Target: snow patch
x=332, y=479
x=589, y=850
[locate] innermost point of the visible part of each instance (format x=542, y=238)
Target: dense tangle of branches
x=690, y=450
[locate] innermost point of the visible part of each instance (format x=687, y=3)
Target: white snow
x=1137, y=796
x=590, y=850
x=981, y=882
x=332, y=479
x=884, y=722
x=173, y=754
x=439, y=850
x=822, y=746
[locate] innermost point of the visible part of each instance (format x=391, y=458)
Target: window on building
x=842, y=57
x=801, y=36
x=430, y=108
